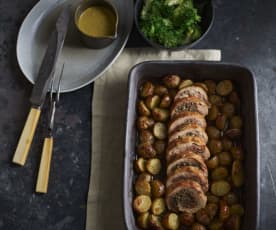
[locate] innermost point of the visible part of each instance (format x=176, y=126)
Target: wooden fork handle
x=26, y=137
x=45, y=164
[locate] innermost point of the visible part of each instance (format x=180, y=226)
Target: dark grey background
x=245, y=31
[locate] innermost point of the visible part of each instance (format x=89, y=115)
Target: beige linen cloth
x=104, y=204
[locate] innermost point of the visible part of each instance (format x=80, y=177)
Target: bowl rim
x=178, y=48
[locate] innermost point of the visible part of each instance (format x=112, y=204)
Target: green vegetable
x=170, y=23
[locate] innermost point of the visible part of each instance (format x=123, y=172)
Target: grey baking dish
x=197, y=71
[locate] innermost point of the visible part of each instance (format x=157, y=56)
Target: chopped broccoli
x=170, y=23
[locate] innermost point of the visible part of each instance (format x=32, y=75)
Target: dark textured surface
x=245, y=31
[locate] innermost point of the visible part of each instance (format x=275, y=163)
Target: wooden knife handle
x=26, y=137
x=44, y=168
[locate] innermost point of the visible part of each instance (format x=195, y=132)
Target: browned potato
x=160, y=90
x=142, y=187
x=216, y=225
x=224, y=210
x=172, y=92
x=215, y=146
x=233, y=223
x=213, y=132
x=159, y=114
x=202, y=217
x=146, y=136
x=153, y=166
x=140, y=165
x=221, y=121
x=186, y=218
x=237, y=153
x=231, y=198
x=211, y=209
x=171, y=81
x=236, y=122
x=233, y=133
x=226, y=144
x=220, y=188
x=145, y=177
x=228, y=109
x=224, y=87
x=237, y=173
x=237, y=209
x=155, y=222
x=143, y=109
x=215, y=100
x=141, y=203
x=160, y=131
x=160, y=147
x=234, y=98
x=219, y=173
x=152, y=101
x=213, y=113
x=212, y=198
x=165, y=102
x=144, y=122
x=157, y=188
x=225, y=159
x=146, y=89
x=197, y=226
x=171, y=221
x=202, y=85
x=146, y=150
x=143, y=220
x=185, y=83
x=158, y=206
x=211, y=85
x=213, y=162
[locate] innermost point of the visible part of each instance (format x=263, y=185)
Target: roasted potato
x=213, y=113
x=211, y=85
x=146, y=136
x=213, y=162
x=152, y=102
x=215, y=146
x=185, y=83
x=186, y=218
x=211, y=209
x=171, y=81
x=231, y=198
x=197, y=226
x=226, y=144
x=233, y=134
x=228, y=109
x=213, y=132
x=237, y=153
x=160, y=146
x=142, y=203
x=140, y=165
x=160, y=131
x=143, y=109
x=212, y=198
x=160, y=90
x=215, y=100
x=216, y=225
x=171, y=221
x=236, y=122
x=165, y=102
x=145, y=177
x=220, y=188
x=159, y=114
x=233, y=223
x=143, y=220
x=153, y=166
x=146, y=150
x=237, y=173
x=221, y=121
x=144, y=122
x=224, y=88
x=224, y=210
x=201, y=85
x=146, y=89
x=219, y=173
x=234, y=98
x=155, y=222
x=158, y=206
x=225, y=158
x=202, y=217
x=237, y=209
x=142, y=187
x=157, y=188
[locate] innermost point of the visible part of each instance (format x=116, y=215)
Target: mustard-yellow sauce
x=97, y=21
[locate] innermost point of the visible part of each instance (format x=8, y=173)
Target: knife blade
x=41, y=86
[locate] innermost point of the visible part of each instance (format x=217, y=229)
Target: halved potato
x=153, y=166
x=142, y=203
x=160, y=131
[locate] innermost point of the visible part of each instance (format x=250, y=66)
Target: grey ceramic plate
x=82, y=65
